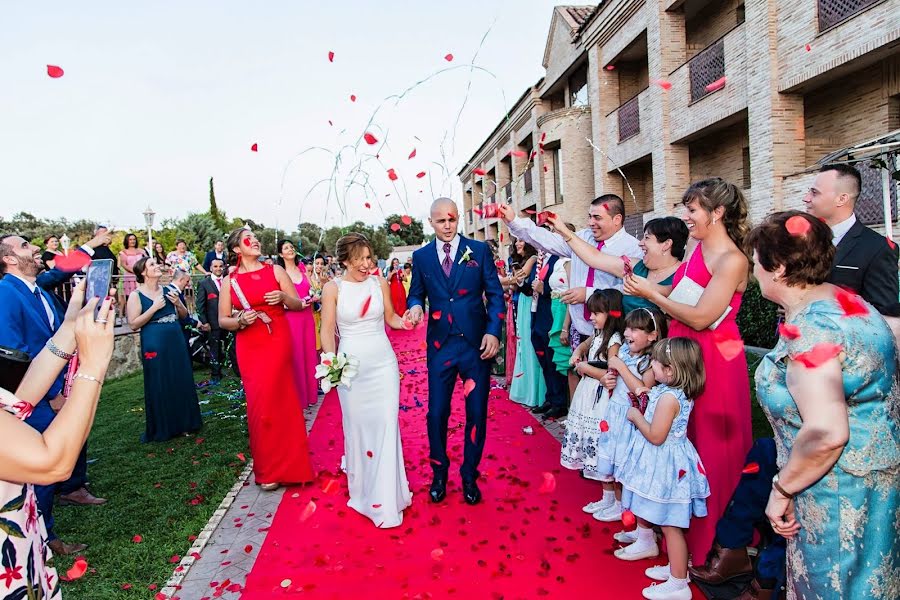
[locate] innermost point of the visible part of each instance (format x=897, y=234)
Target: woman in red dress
x=264, y=351
x=395, y=278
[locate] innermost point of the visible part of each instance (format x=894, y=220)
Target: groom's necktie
x=590, y=283
x=447, y=263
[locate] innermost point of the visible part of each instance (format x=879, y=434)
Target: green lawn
x=163, y=492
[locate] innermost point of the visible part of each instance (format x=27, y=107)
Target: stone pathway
x=229, y=544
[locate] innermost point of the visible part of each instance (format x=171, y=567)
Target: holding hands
x=414, y=315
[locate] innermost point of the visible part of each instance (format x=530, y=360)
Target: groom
x=455, y=274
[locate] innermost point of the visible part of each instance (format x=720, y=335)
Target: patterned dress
x=665, y=484
x=848, y=546
x=23, y=538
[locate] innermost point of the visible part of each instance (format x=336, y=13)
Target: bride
x=356, y=307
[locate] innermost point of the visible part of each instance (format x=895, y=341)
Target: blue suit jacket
x=23, y=321
x=461, y=297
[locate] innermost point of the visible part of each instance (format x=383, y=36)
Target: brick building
x=633, y=102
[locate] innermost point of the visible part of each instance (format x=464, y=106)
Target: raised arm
x=538, y=237
x=588, y=253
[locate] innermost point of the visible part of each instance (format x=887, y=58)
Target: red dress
x=274, y=417
x=720, y=426
x=398, y=294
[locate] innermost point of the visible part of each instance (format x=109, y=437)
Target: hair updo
x=715, y=192
x=350, y=246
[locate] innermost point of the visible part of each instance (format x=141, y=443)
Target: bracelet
x=57, y=351
x=80, y=375
x=780, y=489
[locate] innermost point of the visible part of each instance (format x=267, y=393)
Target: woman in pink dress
x=303, y=326
x=129, y=255
x=704, y=303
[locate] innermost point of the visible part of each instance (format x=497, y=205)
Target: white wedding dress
x=370, y=408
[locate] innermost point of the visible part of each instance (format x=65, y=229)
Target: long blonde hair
x=684, y=357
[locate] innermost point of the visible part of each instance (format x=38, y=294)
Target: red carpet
x=522, y=541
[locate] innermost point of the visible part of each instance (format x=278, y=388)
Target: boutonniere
x=467, y=255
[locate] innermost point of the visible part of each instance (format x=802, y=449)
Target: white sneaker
x=659, y=573
x=668, y=590
x=629, y=537
x=593, y=507
x=633, y=552
x=611, y=514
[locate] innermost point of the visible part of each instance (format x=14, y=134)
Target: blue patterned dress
x=848, y=545
x=665, y=484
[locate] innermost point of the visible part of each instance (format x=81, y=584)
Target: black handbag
x=13, y=366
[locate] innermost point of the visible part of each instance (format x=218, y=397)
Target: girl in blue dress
x=630, y=370
x=663, y=480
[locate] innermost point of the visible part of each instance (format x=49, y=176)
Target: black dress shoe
x=438, y=489
x=539, y=410
x=556, y=412
x=471, y=493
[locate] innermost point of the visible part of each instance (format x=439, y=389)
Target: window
x=740, y=13
x=557, y=176
x=745, y=159
x=578, y=88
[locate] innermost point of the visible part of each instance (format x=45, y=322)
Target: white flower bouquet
x=336, y=369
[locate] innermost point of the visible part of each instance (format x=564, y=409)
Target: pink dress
x=129, y=283
x=303, y=335
x=720, y=426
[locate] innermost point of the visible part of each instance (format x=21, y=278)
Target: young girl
x=663, y=480
x=629, y=371
x=579, y=447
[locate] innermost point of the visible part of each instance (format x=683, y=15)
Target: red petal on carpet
x=515, y=544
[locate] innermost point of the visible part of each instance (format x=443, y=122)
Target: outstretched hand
x=490, y=345
x=506, y=212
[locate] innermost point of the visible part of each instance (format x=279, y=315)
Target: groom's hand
x=506, y=212
x=414, y=315
x=490, y=345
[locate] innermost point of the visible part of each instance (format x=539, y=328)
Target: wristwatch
x=780, y=489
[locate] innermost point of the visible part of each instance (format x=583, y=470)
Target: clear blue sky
x=159, y=96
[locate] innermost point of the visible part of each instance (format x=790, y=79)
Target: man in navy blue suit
x=30, y=315
x=457, y=277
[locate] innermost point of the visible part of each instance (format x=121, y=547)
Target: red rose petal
x=890, y=242
x=808, y=47
x=615, y=313
x=369, y=453
x=437, y=554
x=700, y=468
x=352, y=97
x=730, y=348
x=308, y=511
x=851, y=304
x=604, y=426
x=463, y=292
x=628, y=519
x=72, y=262
x=254, y=148
x=664, y=84
x=330, y=56
x=436, y=315
x=468, y=386
x=473, y=433
x=519, y=153
x=395, y=226
x=407, y=220
x=367, y=205
x=137, y=539
x=248, y=548
x=716, y=85
x=751, y=469
x=789, y=332
x=376, y=506
x=365, y=307
x=819, y=354
x=548, y=485
x=174, y=559
x=681, y=474
x=77, y=571
x=480, y=172
x=370, y=139
x=448, y=57
x=241, y=457
x=54, y=71
x=412, y=154
x=797, y=226
x=420, y=174
x=392, y=175
x=610, y=67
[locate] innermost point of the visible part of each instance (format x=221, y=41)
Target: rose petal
x=367, y=205
x=395, y=226
x=718, y=84
x=72, y=262
x=420, y=174
x=797, y=226
x=851, y=304
x=241, y=457
x=819, y=354
x=751, y=468
x=308, y=511
x=448, y=57
x=392, y=175
x=77, y=570
x=604, y=426
x=681, y=474
x=437, y=554
x=330, y=56
x=254, y=148
x=519, y=153
x=729, y=347
x=628, y=519
x=615, y=313
x=352, y=97
x=664, y=84
x=370, y=139
x=480, y=172
x=412, y=154
x=789, y=332
x=369, y=453
x=548, y=485
x=137, y=539
x=436, y=315
x=406, y=219
x=54, y=71
x=365, y=307
x=468, y=386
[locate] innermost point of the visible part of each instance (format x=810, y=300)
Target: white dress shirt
x=218, y=282
x=559, y=280
x=841, y=229
x=33, y=286
x=621, y=243
x=454, y=246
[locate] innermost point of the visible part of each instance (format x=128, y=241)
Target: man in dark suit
x=864, y=262
x=30, y=317
x=454, y=274
x=218, y=252
x=207, y=301
x=541, y=323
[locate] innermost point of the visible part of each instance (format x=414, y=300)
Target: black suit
x=103, y=253
x=207, y=301
x=866, y=263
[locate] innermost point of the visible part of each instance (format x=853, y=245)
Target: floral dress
x=848, y=545
x=23, y=538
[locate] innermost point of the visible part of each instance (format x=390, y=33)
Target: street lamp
x=65, y=242
x=148, y=219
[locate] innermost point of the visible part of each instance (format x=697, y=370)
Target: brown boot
x=60, y=548
x=755, y=592
x=723, y=564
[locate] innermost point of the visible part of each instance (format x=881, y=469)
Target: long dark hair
x=160, y=257
x=280, y=260
x=518, y=260
x=608, y=301
x=128, y=236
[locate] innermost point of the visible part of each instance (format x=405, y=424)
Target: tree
x=308, y=239
x=380, y=244
x=199, y=230
x=406, y=235
x=218, y=216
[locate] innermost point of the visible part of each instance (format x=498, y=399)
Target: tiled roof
x=580, y=14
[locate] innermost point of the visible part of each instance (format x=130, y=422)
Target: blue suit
x=457, y=321
x=25, y=327
x=541, y=323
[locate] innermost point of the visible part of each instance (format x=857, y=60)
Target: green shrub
x=757, y=319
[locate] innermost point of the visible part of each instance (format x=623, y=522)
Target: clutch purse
x=598, y=364
x=688, y=292
x=13, y=366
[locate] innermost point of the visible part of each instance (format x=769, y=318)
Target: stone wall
x=126, y=358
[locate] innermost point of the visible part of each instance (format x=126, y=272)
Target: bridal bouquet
x=336, y=369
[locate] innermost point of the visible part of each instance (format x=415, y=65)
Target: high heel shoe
x=269, y=487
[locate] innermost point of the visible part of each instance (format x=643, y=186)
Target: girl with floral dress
x=589, y=404
x=663, y=480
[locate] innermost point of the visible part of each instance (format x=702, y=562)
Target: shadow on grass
x=164, y=492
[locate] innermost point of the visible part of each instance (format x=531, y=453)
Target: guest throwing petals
x=170, y=398
x=259, y=293
x=703, y=304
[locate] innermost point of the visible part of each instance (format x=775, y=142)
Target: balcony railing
x=527, y=180
x=629, y=119
x=705, y=68
x=832, y=12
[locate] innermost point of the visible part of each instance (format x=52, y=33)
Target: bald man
x=458, y=279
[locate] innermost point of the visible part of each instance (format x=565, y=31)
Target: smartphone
x=99, y=279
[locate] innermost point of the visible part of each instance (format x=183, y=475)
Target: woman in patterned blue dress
x=830, y=391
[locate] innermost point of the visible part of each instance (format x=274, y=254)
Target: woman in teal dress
x=528, y=385
x=830, y=390
x=663, y=244
x=170, y=398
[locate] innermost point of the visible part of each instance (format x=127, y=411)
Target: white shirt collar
x=840, y=229
x=454, y=246
x=31, y=284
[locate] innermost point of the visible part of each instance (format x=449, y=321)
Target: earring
x=714, y=220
